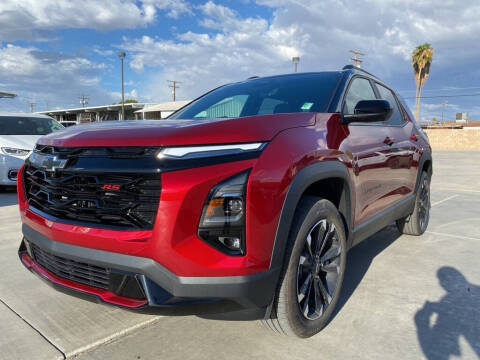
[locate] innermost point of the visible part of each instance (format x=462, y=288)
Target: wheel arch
x=424, y=164
x=329, y=180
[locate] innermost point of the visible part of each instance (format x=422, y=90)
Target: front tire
x=417, y=222
x=312, y=275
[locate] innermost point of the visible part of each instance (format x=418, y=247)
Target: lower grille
x=117, y=282
x=79, y=272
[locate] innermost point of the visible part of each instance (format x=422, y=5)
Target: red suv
x=250, y=196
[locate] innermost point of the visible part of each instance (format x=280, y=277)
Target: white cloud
x=117, y=96
x=233, y=47
x=241, y=48
x=33, y=19
x=48, y=77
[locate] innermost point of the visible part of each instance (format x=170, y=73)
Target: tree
x=421, y=60
x=127, y=101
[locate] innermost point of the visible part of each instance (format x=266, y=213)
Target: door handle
x=388, y=141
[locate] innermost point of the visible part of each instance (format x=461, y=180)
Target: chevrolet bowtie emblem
x=47, y=162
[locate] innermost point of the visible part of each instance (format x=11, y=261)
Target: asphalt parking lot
x=404, y=297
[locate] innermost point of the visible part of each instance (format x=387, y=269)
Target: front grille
x=79, y=272
x=81, y=192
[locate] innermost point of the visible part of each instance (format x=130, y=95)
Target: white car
x=18, y=135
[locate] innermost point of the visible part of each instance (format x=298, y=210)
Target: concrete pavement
x=404, y=297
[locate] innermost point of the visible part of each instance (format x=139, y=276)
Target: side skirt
x=386, y=217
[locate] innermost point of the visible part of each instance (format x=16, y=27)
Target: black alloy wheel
x=311, y=279
x=424, y=204
x=318, y=270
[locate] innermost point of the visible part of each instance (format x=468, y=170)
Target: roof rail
x=352, y=67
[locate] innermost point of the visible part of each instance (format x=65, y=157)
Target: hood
x=177, y=132
x=25, y=142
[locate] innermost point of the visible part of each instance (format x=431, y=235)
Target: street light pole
x=121, y=55
x=295, y=60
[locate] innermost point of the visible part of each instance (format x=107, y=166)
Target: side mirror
x=369, y=111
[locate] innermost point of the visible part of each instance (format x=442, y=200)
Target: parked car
x=18, y=135
x=251, y=195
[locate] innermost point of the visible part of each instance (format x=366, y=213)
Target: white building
x=95, y=113
x=133, y=111
x=160, y=111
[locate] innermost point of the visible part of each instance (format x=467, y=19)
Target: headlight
x=14, y=151
x=193, y=152
x=223, y=218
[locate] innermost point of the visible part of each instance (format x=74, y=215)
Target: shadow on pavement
x=440, y=324
x=359, y=259
x=8, y=196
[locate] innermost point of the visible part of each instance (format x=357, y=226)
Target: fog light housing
x=222, y=224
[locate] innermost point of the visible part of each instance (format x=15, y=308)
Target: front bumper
x=160, y=286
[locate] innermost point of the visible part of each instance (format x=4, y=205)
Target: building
x=95, y=113
x=160, y=111
x=461, y=117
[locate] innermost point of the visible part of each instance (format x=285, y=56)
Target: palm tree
x=421, y=59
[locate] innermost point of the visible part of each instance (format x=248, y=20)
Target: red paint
x=178, y=132
x=295, y=141
x=105, y=295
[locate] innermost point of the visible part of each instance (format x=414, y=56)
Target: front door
x=369, y=154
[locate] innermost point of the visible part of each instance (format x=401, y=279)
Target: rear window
x=282, y=94
x=18, y=125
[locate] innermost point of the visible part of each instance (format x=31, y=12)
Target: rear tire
x=417, y=222
x=312, y=275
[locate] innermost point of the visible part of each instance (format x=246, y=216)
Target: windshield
x=274, y=95
x=18, y=125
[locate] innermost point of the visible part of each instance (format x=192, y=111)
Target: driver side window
x=360, y=89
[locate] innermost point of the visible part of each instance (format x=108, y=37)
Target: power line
x=444, y=96
x=452, y=89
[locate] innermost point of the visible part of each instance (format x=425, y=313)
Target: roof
x=166, y=106
x=7, y=94
x=113, y=107
x=358, y=69
x=18, y=114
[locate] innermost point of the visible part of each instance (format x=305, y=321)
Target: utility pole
x=174, y=85
x=121, y=55
x=443, y=108
x=46, y=105
x=83, y=100
x=295, y=60
x=356, y=61
x=32, y=104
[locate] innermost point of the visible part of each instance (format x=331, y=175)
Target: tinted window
x=386, y=94
x=282, y=94
x=360, y=89
x=228, y=107
x=408, y=112
x=17, y=125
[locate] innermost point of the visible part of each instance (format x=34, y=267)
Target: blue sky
x=55, y=50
